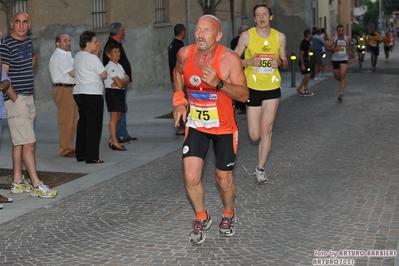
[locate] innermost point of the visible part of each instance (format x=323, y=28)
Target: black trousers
x=90, y=124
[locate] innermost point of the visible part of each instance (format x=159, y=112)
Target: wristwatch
x=282, y=63
x=219, y=85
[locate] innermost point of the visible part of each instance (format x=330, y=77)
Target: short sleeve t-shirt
x=305, y=46
x=113, y=70
x=18, y=56
x=88, y=68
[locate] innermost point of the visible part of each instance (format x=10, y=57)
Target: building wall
x=146, y=42
x=334, y=17
x=345, y=10
x=46, y=12
x=3, y=19
x=340, y=13
x=324, y=16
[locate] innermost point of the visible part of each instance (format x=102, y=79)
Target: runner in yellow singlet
x=264, y=55
x=361, y=47
x=374, y=39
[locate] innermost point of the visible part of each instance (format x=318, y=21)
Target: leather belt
x=64, y=85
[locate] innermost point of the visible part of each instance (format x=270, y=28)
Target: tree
x=372, y=15
x=9, y=5
x=388, y=6
x=209, y=6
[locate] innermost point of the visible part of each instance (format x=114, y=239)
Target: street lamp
x=293, y=59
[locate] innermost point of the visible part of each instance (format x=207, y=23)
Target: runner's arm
x=242, y=44
x=180, y=106
x=329, y=45
x=283, y=53
x=235, y=83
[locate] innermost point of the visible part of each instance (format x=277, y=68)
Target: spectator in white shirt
x=115, y=96
x=88, y=94
x=63, y=77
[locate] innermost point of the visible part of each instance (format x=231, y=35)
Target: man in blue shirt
x=317, y=48
x=18, y=60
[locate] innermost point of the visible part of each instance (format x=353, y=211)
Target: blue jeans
x=121, y=131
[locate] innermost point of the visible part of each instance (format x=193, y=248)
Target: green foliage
x=358, y=27
x=372, y=15
x=388, y=6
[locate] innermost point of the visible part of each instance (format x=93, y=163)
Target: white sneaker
x=261, y=175
x=24, y=186
x=43, y=191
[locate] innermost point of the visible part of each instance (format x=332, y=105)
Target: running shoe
x=261, y=175
x=299, y=91
x=43, y=191
x=197, y=236
x=340, y=97
x=226, y=226
x=307, y=93
x=22, y=187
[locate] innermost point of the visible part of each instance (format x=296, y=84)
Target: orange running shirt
x=387, y=41
x=211, y=111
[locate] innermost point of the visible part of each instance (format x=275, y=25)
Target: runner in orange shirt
x=387, y=40
x=213, y=76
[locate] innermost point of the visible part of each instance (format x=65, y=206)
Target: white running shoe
x=43, y=191
x=197, y=236
x=261, y=175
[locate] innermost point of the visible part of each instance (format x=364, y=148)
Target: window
x=160, y=9
x=98, y=14
x=20, y=6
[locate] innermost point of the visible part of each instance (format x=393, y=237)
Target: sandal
x=95, y=161
x=5, y=199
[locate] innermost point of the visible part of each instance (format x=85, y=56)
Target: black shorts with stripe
x=197, y=144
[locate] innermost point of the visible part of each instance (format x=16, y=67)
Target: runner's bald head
x=215, y=21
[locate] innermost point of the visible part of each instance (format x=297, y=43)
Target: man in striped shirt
x=18, y=60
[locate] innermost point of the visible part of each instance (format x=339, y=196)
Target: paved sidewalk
x=333, y=174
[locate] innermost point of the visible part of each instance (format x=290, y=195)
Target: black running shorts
x=225, y=147
x=256, y=97
x=336, y=64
